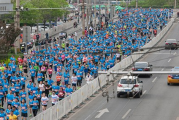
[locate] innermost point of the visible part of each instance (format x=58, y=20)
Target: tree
x=35, y=16
x=7, y=39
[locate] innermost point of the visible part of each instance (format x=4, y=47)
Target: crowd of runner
x=57, y=72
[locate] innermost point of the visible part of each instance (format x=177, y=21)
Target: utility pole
x=136, y=4
x=95, y=14
x=83, y=19
x=17, y=24
x=175, y=4
x=17, y=19
x=87, y=13
x=100, y=20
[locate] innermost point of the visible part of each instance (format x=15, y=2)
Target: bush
x=145, y=6
x=168, y=6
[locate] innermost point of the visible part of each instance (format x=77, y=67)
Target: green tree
x=39, y=15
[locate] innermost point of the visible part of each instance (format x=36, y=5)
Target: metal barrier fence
x=63, y=107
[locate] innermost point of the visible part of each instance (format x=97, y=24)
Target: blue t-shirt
x=24, y=108
x=2, y=115
x=10, y=98
x=32, y=71
x=8, y=113
x=2, y=93
x=35, y=104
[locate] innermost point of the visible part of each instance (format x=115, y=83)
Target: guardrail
x=63, y=107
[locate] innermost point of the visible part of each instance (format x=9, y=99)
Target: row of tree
x=32, y=17
x=153, y=3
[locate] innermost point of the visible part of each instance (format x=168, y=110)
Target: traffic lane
x=147, y=85
x=158, y=104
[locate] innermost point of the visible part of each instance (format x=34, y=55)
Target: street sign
x=26, y=34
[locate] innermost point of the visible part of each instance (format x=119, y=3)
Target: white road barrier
x=69, y=103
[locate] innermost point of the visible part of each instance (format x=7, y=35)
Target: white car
x=130, y=85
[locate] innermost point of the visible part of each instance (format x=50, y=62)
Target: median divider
x=65, y=106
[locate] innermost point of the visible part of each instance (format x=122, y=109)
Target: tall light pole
x=17, y=18
x=175, y=4
x=17, y=24
x=95, y=14
x=136, y=4
x=83, y=19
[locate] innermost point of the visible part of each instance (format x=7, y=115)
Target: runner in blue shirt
x=18, y=87
x=68, y=90
x=38, y=95
x=2, y=93
x=23, y=94
x=24, y=109
x=31, y=97
x=10, y=97
x=39, y=76
x=34, y=88
x=50, y=81
x=35, y=104
x=29, y=86
x=8, y=111
x=32, y=73
x=66, y=76
x=55, y=88
x=22, y=80
x=79, y=79
x=16, y=103
x=14, y=68
x=2, y=114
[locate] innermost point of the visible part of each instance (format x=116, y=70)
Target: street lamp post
x=83, y=20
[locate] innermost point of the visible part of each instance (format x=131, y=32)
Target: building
x=5, y=6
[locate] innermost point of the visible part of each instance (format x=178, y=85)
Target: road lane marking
x=144, y=92
x=169, y=60
x=175, y=53
x=88, y=117
x=101, y=112
x=126, y=113
x=162, y=69
x=162, y=53
x=154, y=79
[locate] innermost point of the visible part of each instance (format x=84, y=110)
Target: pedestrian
x=55, y=98
x=12, y=116
x=35, y=104
x=38, y=95
x=50, y=71
x=76, y=35
x=88, y=78
x=24, y=109
x=61, y=93
x=2, y=93
x=74, y=81
x=44, y=101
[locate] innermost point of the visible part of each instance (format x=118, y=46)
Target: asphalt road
x=158, y=102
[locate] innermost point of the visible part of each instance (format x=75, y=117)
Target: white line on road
x=161, y=53
x=126, y=113
x=169, y=60
x=88, y=117
x=162, y=69
x=175, y=53
x=144, y=92
x=154, y=79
